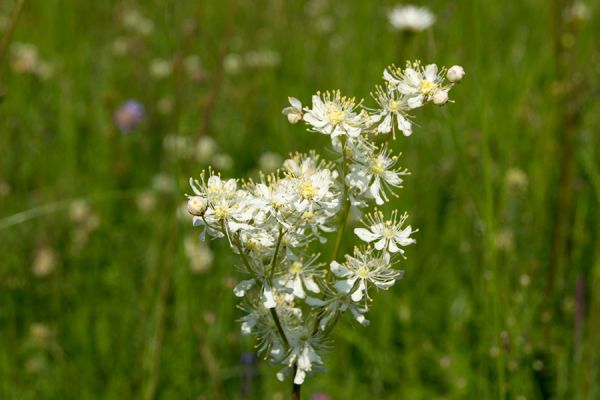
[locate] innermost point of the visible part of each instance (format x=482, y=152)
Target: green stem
x=254, y=275
x=345, y=207
x=11, y=27
x=276, y=254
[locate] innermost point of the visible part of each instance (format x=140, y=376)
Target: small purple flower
x=247, y=358
x=321, y=396
x=129, y=116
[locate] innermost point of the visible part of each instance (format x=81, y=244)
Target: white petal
x=415, y=102
x=297, y=287
x=413, y=77
x=345, y=285
x=268, y=298
x=241, y=288
x=380, y=244
x=299, y=378
x=311, y=285
x=311, y=301
x=358, y=294
x=339, y=270
x=365, y=235
x=431, y=71
x=295, y=103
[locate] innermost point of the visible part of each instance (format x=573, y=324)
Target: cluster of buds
x=292, y=297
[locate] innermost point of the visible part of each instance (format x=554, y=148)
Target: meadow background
x=106, y=291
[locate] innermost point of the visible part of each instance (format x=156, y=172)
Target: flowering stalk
x=291, y=300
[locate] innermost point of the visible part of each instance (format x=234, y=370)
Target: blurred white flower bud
x=455, y=73
x=294, y=112
x=440, y=97
x=197, y=205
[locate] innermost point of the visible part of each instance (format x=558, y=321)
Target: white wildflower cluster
x=410, y=18
x=292, y=295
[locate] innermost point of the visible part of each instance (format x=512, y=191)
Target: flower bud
x=197, y=205
x=455, y=74
x=440, y=97
x=294, y=118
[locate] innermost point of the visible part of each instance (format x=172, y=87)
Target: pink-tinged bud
x=455, y=73
x=197, y=205
x=440, y=97
x=294, y=118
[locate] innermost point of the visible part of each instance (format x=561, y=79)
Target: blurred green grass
x=116, y=311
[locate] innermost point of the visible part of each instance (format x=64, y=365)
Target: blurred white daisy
x=411, y=18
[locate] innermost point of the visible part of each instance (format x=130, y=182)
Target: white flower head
x=411, y=18
x=333, y=114
x=301, y=274
x=419, y=84
x=388, y=235
x=364, y=269
x=376, y=175
x=393, y=107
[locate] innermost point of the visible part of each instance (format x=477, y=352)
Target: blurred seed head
x=494, y=351
x=516, y=179
x=178, y=146
x=44, y=262
x=165, y=105
x=269, y=162
x=129, y=116
x=445, y=362
x=262, y=59
x=146, y=201
x=232, y=63
x=25, y=59
x=136, y=22
x=35, y=364
x=576, y=14
x=193, y=67
x=199, y=254
x=164, y=183
x=504, y=240
x=160, y=68
x=40, y=334
x=4, y=189
x=222, y=161
x=205, y=149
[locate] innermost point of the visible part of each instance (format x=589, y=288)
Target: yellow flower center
x=377, y=168
x=334, y=115
x=394, y=105
x=296, y=267
x=363, y=272
x=307, y=215
x=308, y=191
x=221, y=211
x=252, y=245
x=427, y=87
x=388, y=233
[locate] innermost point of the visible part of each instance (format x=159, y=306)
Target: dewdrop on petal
x=440, y=97
x=197, y=206
x=455, y=73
